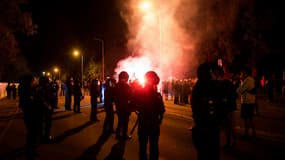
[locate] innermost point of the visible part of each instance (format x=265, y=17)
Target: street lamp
x=76, y=53
x=103, y=60
x=56, y=70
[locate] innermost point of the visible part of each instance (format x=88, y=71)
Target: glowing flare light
x=136, y=67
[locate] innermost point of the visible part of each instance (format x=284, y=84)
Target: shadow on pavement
x=71, y=132
x=92, y=151
x=117, y=151
x=64, y=116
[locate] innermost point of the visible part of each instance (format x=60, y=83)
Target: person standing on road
x=68, y=94
x=94, y=94
x=150, y=109
x=77, y=94
x=45, y=100
x=32, y=114
x=122, y=102
x=108, y=106
x=247, y=91
x=8, y=90
x=228, y=98
x=207, y=114
x=14, y=91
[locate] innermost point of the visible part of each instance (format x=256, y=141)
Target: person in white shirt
x=247, y=92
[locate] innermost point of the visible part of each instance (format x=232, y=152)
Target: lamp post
x=103, y=60
x=76, y=53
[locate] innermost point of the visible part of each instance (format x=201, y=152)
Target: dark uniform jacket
x=150, y=108
x=206, y=103
x=122, y=97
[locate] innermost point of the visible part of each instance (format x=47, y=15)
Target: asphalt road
x=78, y=138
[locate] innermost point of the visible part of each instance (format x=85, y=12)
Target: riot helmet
x=151, y=78
x=205, y=70
x=123, y=76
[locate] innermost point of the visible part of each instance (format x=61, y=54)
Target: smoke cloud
x=173, y=34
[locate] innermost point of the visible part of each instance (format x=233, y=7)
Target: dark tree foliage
x=14, y=18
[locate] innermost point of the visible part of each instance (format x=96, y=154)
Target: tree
x=94, y=70
x=14, y=18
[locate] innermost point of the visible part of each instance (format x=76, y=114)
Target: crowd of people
x=213, y=100
x=212, y=97
x=37, y=101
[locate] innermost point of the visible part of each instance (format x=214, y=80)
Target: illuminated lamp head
x=151, y=78
x=123, y=76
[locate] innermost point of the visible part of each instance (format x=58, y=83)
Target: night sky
x=64, y=25
x=67, y=24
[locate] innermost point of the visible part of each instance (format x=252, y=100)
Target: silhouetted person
x=32, y=114
x=8, y=90
x=76, y=90
x=122, y=101
x=247, y=91
x=45, y=100
x=68, y=94
x=14, y=91
x=207, y=113
x=150, y=109
x=94, y=94
x=54, y=89
x=228, y=98
x=108, y=106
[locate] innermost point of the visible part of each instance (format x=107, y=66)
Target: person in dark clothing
x=150, y=110
x=77, y=93
x=8, y=90
x=228, y=98
x=68, y=94
x=32, y=114
x=55, y=89
x=108, y=106
x=207, y=113
x=94, y=94
x=14, y=91
x=45, y=100
x=122, y=101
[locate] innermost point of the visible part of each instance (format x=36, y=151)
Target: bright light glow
x=136, y=67
x=145, y=6
x=55, y=70
x=76, y=53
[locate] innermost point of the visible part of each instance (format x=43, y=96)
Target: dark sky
x=67, y=24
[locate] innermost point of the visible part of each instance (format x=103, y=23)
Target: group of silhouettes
x=122, y=98
x=213, y=101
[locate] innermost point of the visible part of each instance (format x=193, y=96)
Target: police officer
x=150, y=114
x=32, y=114
x=45, y=100
x=108, y=106
x=206, y=111
x=55, y=88
x=122, y=101
x=77, y=93
x=94, y=94
x=68, y=94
